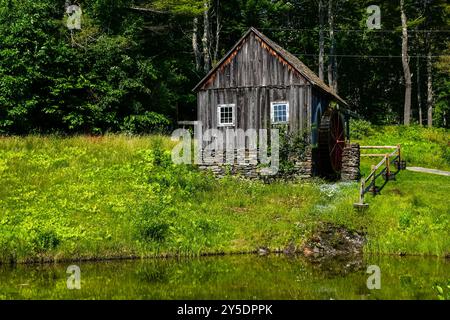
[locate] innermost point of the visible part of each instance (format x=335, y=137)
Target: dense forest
x=132, y=65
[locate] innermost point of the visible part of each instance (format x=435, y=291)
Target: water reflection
x=230, y=277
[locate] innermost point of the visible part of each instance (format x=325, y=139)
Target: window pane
x=280, y=113
x=226, y=114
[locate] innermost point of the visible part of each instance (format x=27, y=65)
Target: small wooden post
x=374, y=178
x=360, y=205
x=361, y=192
x=388, y=167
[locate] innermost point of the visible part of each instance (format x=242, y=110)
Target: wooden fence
x=387, y=168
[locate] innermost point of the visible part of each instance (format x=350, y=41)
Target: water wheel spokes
x=331, y=143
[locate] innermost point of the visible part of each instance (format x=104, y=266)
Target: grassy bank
x=117, y=196
x=412, y=214
x=429, y=148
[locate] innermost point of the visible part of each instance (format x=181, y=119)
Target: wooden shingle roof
x=289, y=58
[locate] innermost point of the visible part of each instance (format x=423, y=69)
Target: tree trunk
x=332, y=72
x=195, y=48
x=205, y=39
x=421, y=6
x=430, y=87
x=419, y=92
x=335, y=76
x=321, y=42
x=218, y=27
x=406, y=69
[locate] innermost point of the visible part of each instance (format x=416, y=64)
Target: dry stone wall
x=246, y=164
x=351, y=163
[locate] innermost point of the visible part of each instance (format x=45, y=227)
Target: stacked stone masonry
x=351, y=163
x=245, y=163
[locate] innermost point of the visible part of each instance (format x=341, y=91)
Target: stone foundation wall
x=249, y=167
x=350, y=163
x=303, y=168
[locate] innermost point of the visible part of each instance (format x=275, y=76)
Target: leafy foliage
x=426, y=147
x=121, y=196
x=94, y=80
x=443, y=291
x=360, y=129
x=133, y=71
x=293, y=148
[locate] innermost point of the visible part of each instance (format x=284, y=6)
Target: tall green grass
x=412, y=214
x=120, y=196
x=425, y=147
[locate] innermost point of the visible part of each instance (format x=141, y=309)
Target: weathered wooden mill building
x=258, y=85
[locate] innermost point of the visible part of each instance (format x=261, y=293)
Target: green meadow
x=117, y=196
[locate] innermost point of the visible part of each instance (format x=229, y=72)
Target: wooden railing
x=384, y=168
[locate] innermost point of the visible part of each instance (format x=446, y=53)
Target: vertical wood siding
x=252, y=79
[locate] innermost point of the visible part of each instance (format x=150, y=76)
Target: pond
x=230, y=277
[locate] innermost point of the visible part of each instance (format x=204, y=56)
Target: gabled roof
x=290, y=59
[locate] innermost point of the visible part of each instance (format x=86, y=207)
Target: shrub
x=148, y=122
x=169, y=175
x=360, y=128
x=151, y=222
x=292, y=148
x=46, y=240
x=154, y=231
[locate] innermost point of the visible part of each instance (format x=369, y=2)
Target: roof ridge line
x=287, y=56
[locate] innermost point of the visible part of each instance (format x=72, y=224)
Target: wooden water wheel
x=331, y=143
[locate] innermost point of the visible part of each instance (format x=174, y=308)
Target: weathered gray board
x=253, y=77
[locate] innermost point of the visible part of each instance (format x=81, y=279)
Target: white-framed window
x=226, y=116
x=279, y=112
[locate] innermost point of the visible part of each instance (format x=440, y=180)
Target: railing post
x=374, y=178
x=360, y=205
x=361, y=191
x=388, y=167
x=389, y=174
